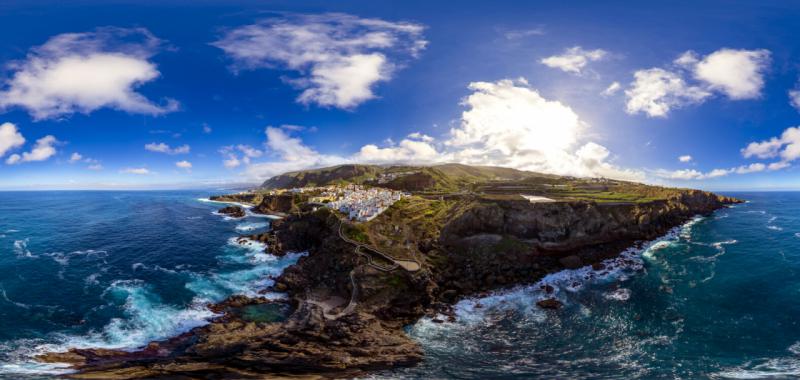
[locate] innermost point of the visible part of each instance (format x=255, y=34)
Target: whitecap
x=621, y=294
x=21, y=248
x=249, y=227
x=242, y=205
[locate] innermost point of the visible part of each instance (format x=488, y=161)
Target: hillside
x=488, y=182
x=444, y=177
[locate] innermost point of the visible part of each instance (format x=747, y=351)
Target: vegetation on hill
x=489, y=182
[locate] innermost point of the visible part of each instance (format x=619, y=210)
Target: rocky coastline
x=345, y=317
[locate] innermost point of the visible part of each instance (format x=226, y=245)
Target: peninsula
x=387, y=245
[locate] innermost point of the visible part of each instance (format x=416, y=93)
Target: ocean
x=718, y=297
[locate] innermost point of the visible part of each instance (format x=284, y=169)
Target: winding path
x=407, y=265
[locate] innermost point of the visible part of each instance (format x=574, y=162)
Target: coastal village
x=359, y=203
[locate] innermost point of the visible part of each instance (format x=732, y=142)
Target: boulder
x=550, y=303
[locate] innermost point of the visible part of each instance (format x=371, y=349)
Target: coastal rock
x=549, y=303
x=233, y=211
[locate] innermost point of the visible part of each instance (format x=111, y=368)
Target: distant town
x=359, y=203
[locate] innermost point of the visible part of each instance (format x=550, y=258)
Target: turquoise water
x=716, y=298
x=116, y=269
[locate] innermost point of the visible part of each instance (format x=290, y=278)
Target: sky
x=133, y=95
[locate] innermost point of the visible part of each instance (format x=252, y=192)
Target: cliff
x=263, y=203
x=349, y=303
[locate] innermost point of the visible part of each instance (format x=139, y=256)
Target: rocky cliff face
x=483, y=245
x=275, y=204
x=501, y=243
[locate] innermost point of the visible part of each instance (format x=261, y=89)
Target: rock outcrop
x=233, y=211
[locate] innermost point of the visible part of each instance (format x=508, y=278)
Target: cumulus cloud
x=657, y=91
x=786, y=147
x=735, y=74
x=10, y=138
x=75, y=157
x=83, y=72
x=574, y=59
x=685, y=158
x=739, y=74
x=42, y=150
x=138, y=171
x=414, y=149
x=339, y=57
x=186, y=165
x=506, y=123
x=164, y=148
x=289, y=154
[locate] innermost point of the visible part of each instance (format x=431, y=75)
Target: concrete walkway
x=408, y=265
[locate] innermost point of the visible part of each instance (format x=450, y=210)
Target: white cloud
x=737, y=74
x=83, y=72
x=75, y=157
x=184, y=164
x=10, y=138
x=683, y=174
x=778, y=165
x=290, y=154
x=206, y=128
x=612, y=89
x=138, y=171
x=517, y=34
x=42, y=150
x=574, y=59
x=656, y=91
x=691, y=174
x=164, y=148
x=339, y=57
x=232, y=161
x=507, y=123
x=685, y=158
x=786, y=147
x=415, y=149
x=92, y=163
x=752, y=168
x=249, y=151
x=421, y=136
x=794, y=99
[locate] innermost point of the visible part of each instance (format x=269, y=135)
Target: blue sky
x=121, y=95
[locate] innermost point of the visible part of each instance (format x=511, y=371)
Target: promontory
x=387, y=245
